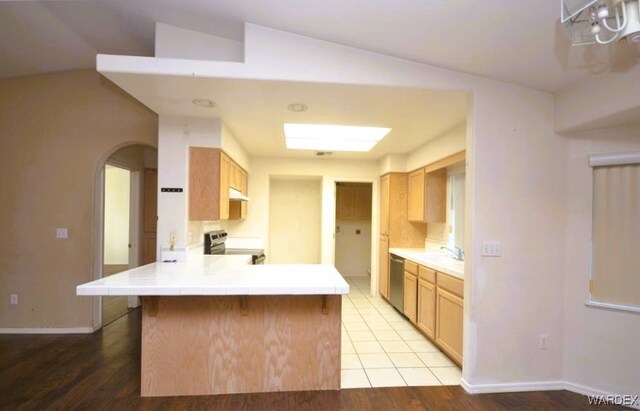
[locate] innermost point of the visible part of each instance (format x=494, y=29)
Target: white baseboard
x=533, y=386
x=513, y=387
x=74, y=330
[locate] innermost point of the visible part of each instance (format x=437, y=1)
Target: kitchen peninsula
x=215, y=325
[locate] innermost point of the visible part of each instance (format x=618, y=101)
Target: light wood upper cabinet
x=435, y=196
x=244, y=206
x=353, y=202
x=410, y=296
x=427, y=196
x=393, y=213
x=225, y=178
x=362, y=197
x=238, y=209
x=428, y=191
x=204, y=183
x=345, y=202
x=416, y=205
x=383, y=266
x=211, y=173
x=384, y=204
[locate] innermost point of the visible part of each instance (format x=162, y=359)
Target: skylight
x=331, y=137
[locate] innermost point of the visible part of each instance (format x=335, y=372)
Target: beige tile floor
x=380, y=347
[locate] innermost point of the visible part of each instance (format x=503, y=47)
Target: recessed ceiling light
x=297, y=107
x=332, y=137
x=204, y=102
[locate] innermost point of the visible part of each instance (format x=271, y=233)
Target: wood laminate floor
x=102, y=371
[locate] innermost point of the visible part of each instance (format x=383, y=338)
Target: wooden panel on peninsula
x=202, y=345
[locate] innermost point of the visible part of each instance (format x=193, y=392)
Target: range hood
x=235, y=195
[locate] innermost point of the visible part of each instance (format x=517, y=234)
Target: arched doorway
x=125, y=220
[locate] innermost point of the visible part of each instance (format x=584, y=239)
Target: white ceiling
x=255, y=111
x=514, y=41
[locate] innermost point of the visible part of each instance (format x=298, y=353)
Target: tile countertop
x=432, y=259
x=220, y=275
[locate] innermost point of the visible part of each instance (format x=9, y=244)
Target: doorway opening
x=127, y=216
x=353, y=230
x=116, y=258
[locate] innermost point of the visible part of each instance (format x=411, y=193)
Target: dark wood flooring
x=102, y=371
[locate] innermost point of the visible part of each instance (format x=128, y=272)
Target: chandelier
x=601, y=21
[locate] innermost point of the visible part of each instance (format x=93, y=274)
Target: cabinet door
x=345, y=196
x=415, y=209
x=244, y=206
x=384, y=205
x=237, y=177
x=383, y=268
x=410, y=296
x=427, y=307
x=449, y=317
x=203, y=183
x=435, y=195
x=225, y=168
x=362, y=202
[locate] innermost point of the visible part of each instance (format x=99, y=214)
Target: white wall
x=295, y=216
x=393, y=163
x=233, y=148
x=516, y=189
x=601, y=346
x=116, y=215
x=353, y=251
x=607, y=100
x=179, y=43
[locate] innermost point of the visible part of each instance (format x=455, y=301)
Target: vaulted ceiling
x=518, y=42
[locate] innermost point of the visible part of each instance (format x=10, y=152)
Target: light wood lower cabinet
x=410, y=296
x=427, y=308
x=439, y=309
x=449, y=317
x=383, y=267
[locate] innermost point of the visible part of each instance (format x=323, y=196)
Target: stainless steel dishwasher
x=396, y=293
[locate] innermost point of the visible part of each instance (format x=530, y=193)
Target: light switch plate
x=62, y=233
x=491, y=249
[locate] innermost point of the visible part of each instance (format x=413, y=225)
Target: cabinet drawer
x=426, y=273
x=411, y=267
x=451, y=284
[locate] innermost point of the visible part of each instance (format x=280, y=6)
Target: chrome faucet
x=458, y=254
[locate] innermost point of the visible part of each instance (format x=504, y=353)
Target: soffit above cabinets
x=255, y=110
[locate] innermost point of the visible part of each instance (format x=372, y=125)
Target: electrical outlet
x=543, y=342
x=62, y=233
x=491, y=249
x=14, y=299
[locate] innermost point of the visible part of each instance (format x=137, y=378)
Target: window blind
x=615, y=259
